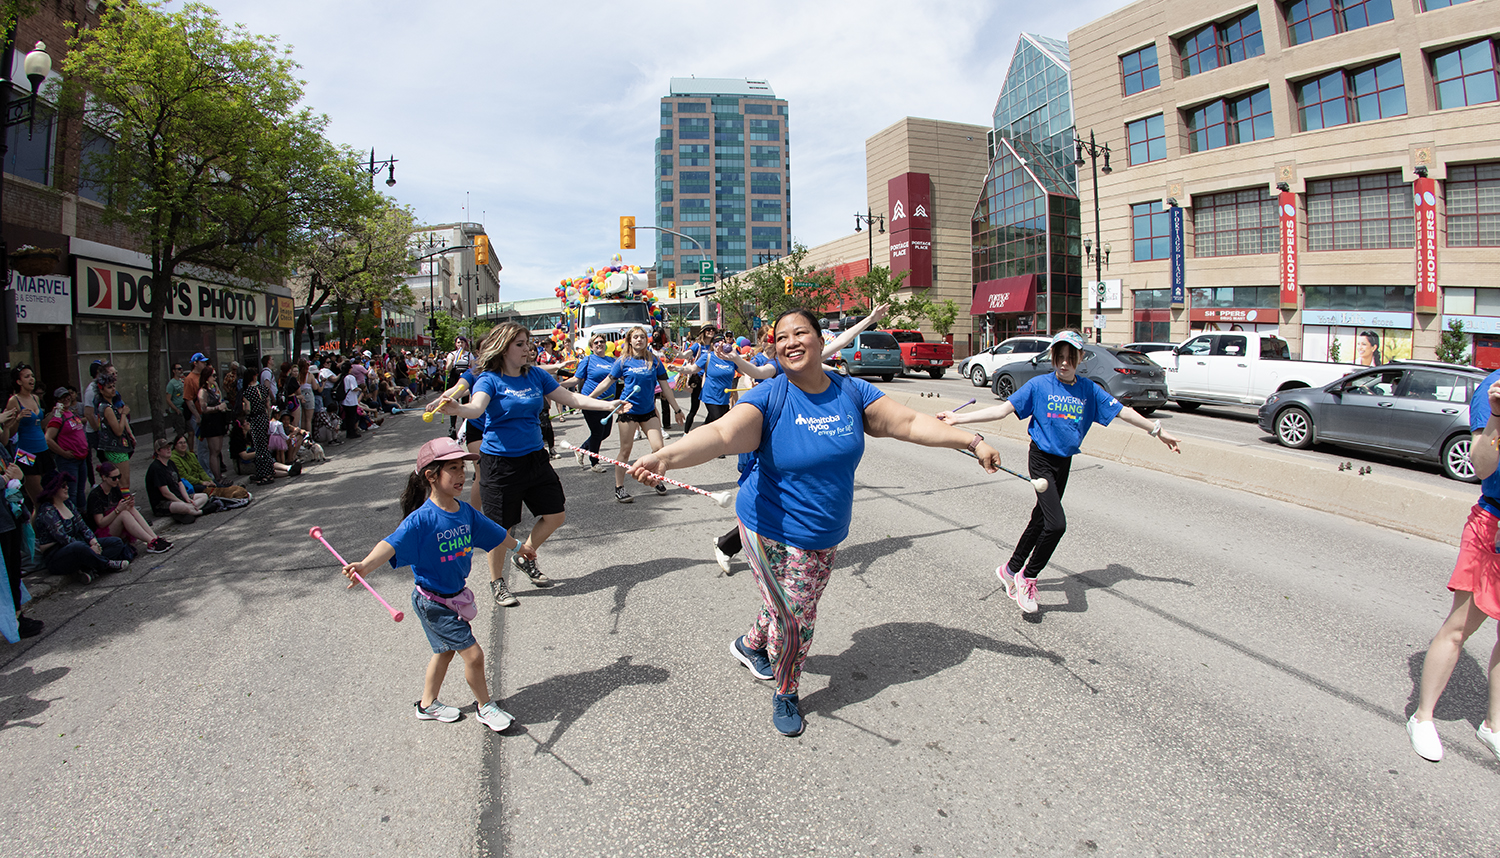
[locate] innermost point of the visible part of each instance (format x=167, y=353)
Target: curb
x=1436, y=513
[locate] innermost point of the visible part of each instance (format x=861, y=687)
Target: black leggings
x=547, y=437
x=730, y=542
x=351, y=420
x=1048, y=521
x=599, y=424
x=695, y=390
x=10, y=549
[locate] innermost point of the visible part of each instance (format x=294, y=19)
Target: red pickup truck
x=918, y=355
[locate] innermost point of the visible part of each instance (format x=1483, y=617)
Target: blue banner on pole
x=1179, y=257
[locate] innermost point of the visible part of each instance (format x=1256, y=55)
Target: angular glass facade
x=1025, y=223
x=738, y=121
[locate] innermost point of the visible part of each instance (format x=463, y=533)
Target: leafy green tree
x=762, y=292
x=1453, y=347
x=213, y=165
x=358, y=263
x=942, y=316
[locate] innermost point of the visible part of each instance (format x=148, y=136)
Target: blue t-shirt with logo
x=1062, y=413
x=439, y=545
x=594, y=370
x=470, y=379
x=1479, y=417
x=513, y=417
x=718, y=375
x=642, y=375
x=799, y=489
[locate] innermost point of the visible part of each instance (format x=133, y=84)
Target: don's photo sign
x=108, y=289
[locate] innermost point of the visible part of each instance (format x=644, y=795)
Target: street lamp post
x=869, y=218
x=38, y=64
x=1093, y=150
x=374, y=168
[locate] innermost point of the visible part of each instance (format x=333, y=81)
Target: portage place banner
x=108, y=289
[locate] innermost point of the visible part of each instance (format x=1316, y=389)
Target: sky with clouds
x=544, y=116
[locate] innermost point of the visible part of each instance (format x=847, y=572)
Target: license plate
x=934, y=362
x=1153, y=394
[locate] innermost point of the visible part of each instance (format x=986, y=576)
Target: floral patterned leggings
x=791, y=581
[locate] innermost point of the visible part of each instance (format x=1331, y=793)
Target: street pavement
x=1211, y=672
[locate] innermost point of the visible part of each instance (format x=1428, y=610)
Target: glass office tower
x=722, y=177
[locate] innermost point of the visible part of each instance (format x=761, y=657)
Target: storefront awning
x=1006, y=295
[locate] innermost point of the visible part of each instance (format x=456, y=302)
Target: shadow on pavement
x=17, y=705
x=1465, y=698
x=1076, y=587
x=622, y=578
x=866, y=554
x=896, y=653
x=564, y=698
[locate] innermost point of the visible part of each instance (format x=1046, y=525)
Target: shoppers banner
x=44, y=300
x=1425, y=192
x=1179, y=255
x=109, y=289
x=1286, y=203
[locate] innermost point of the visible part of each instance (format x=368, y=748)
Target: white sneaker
x=494, y=717
x=721, y=557
x=1489, y=738
x=582, y=458
x=1026, y=593
x=639, y=435
x=438, y=711
x=1008, y=578
x=1425, y=741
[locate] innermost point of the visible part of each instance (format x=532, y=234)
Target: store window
x=1308, y=20
x=1234, y=223
x=29, y=148
x=1147, y=138
x=1472, y=194
x=1228, y=121
x=1221, y=44
x=1465, y=75
x=1429, y=5
x=1370, y=212
x=1150, y=231
x=1138, y=70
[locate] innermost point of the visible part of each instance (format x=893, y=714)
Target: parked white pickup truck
x=1239, y=368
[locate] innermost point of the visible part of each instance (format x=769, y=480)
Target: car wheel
x=1188, y=406
x=888, y=376
x=1294, y=428
x=1145, y=412
x=977, y=376
x=1003, y=387
x=935, y=373
x=1456, y=463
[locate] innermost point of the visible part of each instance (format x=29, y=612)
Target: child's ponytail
x=418, y=487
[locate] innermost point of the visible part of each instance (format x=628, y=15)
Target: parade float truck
x=608, y=301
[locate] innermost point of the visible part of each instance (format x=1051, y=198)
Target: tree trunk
x=343, y=325
x=156, y=331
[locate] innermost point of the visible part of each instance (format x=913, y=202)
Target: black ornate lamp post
x=374, y=168
x=1094, y=150
x=869, y=218
x=38, y=64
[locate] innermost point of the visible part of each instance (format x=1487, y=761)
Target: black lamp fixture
x=37, y=65
x=1283, y=187
x=374, y=167
x=1420, y=169
x=1094, y=151
x=1088, y=250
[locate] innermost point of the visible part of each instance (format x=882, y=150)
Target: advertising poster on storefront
x=1287, y=221
x=44, y=300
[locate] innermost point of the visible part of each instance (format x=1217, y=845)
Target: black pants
x=78, y=556
x=1048, y=521
x=10, y=549
x=599, y=424
x=666, y=413
x=730, y=542
x=547, y=437
x=695, y=391
x=351, y=420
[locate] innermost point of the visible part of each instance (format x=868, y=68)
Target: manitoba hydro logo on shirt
x=455, y=542
x=828, y=426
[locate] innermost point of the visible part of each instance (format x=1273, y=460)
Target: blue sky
x=544, y=115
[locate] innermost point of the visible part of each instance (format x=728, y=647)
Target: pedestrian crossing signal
x=627, y=233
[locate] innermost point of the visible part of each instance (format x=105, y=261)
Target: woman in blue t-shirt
x=694, y=353
x=639, y=372
x=514, y=467
x=1062, y=406
x=590, y=374
x=796, y=498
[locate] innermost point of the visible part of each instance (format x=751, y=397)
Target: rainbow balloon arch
x=577, y=291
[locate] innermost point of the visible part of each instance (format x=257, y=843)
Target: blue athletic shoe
x=755, y=659
x=785, y=716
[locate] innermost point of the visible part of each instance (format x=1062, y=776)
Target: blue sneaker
x=785, y=716
x=755, y=659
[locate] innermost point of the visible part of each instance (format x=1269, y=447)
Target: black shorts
x=505, y=482
x=472, y=433
x=44, y=465
x=637, y=418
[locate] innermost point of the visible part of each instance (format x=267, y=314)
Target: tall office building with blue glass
x=1027, y=265
x=722, y=177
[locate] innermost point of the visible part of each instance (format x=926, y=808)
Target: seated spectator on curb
x=66, y=543
x=164, y=486
x=113, y=513
x=243, y=454
x=191, y=471
x=278, y=440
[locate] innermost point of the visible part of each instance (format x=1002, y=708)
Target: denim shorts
x=446, y=630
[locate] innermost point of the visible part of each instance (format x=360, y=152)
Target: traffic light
x=481, y=250
x=671, y=288
x=627, y=233
x=786, y=284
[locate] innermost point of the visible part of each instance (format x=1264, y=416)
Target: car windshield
x=877, y=340
x=616, y=313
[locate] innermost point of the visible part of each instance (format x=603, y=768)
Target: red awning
x=1006, y=295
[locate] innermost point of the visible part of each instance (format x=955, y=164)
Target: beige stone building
x=952, y=157
x=1215, y=104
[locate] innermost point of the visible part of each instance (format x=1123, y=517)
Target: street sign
x=755, y=323
x=705, y=291
x=706, y=271
x=1099, y=291
x=1099, y=322
x=802, y=284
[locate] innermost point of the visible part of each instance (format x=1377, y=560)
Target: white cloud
x=546, y=113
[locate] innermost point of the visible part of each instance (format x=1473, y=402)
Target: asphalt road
x=1210, y=673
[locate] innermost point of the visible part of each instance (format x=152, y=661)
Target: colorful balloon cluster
x=576, y=292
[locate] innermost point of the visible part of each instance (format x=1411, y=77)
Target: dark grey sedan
x=1416, y=410
x=1131, y=377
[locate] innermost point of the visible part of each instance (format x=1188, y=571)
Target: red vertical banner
x=910, y=196
x=1286, y=205
x=1424, y=192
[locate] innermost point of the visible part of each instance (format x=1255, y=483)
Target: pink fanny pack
x=462, y=604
